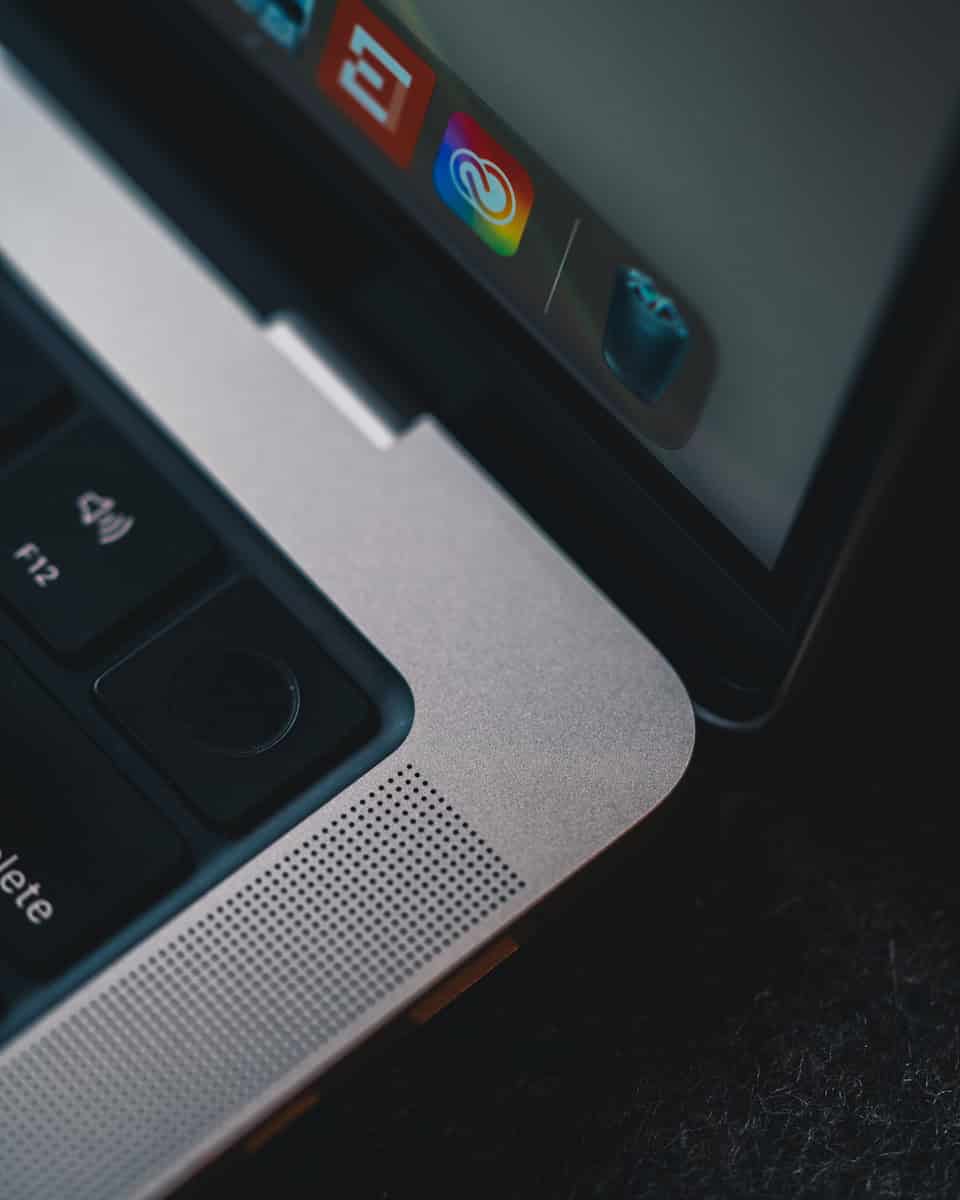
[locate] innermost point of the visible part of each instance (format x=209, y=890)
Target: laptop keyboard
x=173, y=695
x=28, y=386
x=80, y=846
x=89, y=534
x=217, y=704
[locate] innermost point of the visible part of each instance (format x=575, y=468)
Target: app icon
x=484, y=185
x=287, y=21
x=376, y=80
x=646, y=338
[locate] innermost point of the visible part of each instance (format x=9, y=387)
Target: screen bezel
x=749, y=620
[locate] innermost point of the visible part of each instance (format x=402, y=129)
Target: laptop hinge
x=334, y=377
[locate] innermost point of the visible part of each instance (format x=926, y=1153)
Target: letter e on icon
x=376, y=80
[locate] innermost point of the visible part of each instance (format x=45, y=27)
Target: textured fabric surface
x=765, y=1003
x=788, y=1024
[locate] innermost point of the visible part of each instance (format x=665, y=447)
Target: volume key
x=88, y=534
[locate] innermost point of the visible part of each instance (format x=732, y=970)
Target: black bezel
x=732, y=626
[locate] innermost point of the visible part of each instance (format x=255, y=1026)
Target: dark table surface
x=764, y=1002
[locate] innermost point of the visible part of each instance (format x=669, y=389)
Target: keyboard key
x=27, y=383
x=80, y=849
x=88, y=534
x=239, y=705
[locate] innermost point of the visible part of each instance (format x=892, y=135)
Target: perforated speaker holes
x=105, y=1098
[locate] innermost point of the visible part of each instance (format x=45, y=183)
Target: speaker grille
x=102, y=1101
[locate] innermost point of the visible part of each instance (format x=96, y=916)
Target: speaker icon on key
x=101, y=513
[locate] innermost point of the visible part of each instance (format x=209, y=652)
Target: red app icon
x=376, y=80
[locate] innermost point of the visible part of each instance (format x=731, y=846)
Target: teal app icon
x=286, y=21
x=646, y=338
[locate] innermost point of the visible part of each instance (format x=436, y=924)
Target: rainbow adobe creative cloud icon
x=484, y=185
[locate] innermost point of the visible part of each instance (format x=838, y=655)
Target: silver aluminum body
x=546, y=725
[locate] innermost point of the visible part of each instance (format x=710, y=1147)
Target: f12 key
x=88, y=534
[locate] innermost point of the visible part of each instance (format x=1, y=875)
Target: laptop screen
x=698, y=207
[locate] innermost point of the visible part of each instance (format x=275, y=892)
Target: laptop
x=416, y=422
